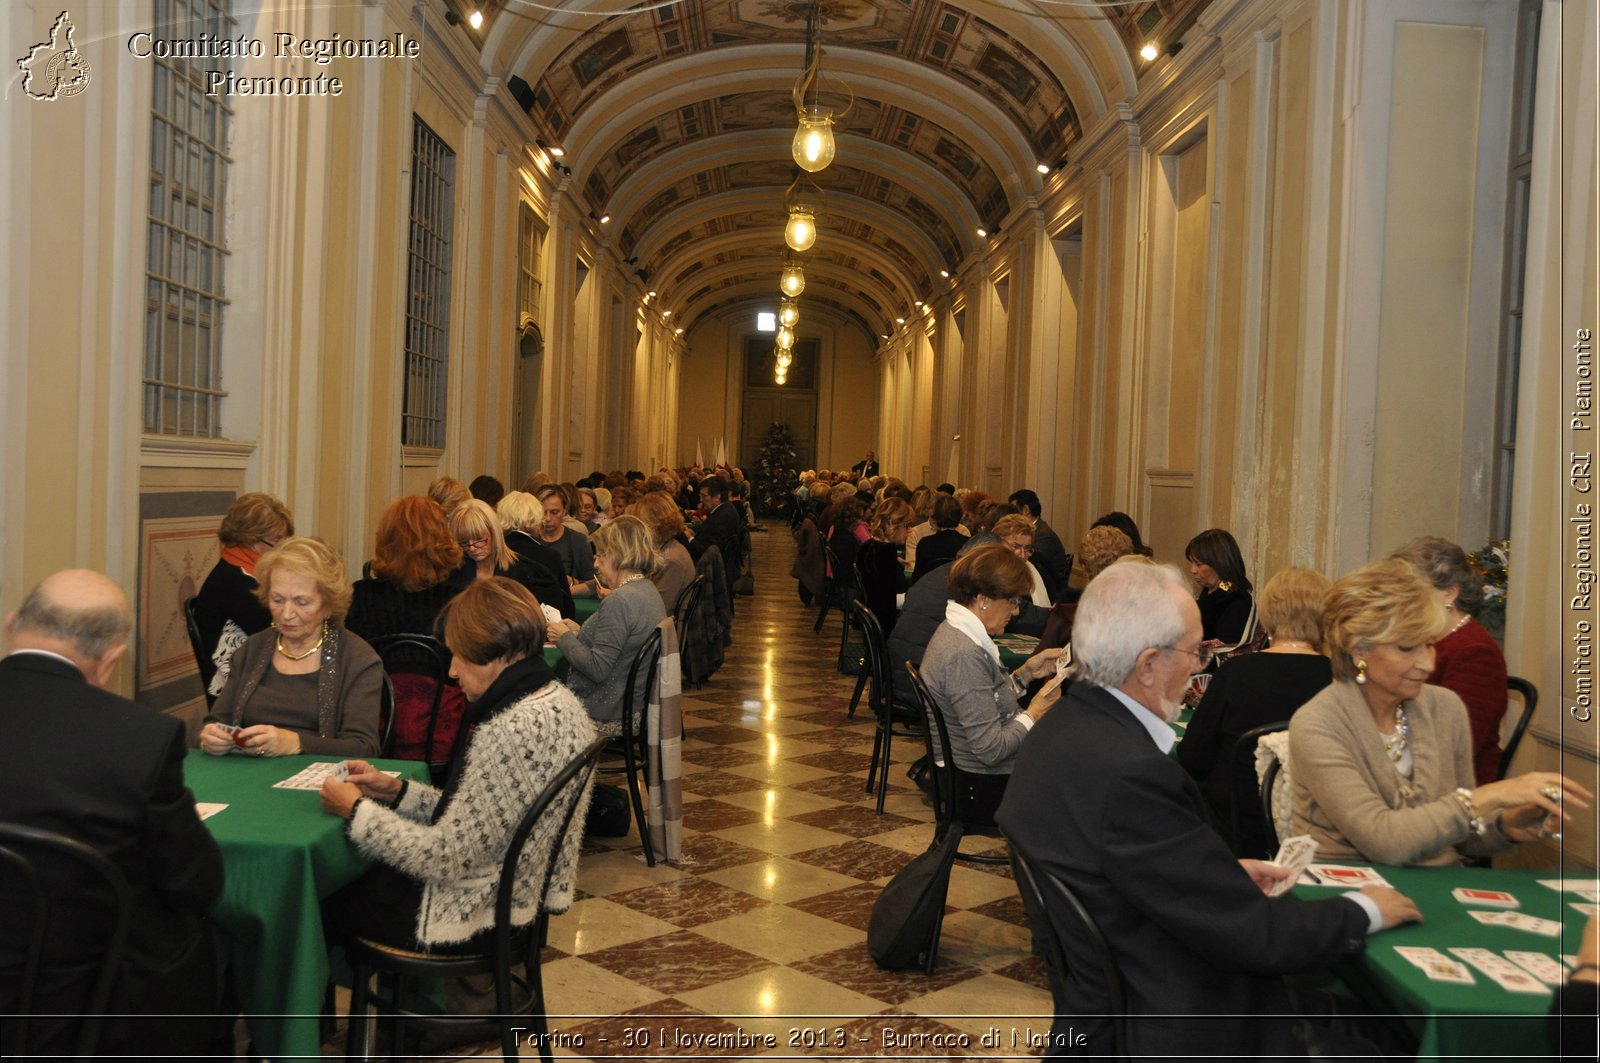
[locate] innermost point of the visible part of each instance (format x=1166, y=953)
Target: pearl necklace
x=1459, y=624
x=1395, y=744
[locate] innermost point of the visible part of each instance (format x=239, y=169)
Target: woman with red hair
x=416, y=569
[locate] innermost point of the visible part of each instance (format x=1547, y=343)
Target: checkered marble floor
x=762, y=929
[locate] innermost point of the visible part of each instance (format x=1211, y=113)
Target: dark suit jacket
x=723, y=529
x=865, y=468
x=99, y=768
x=1096, y=802
x=1050, y=558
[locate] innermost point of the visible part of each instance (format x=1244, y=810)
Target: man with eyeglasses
x=1096, y=801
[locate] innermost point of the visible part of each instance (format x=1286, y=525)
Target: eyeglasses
x=467, y=544
x=1020, y=549
x=1202, y=656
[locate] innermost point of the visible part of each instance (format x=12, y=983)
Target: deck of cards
x=1342, y=875
x=1486, y=898
x=1295, y=854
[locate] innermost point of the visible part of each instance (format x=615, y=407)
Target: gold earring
x=1361, y=672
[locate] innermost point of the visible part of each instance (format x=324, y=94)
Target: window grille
x=433, y=167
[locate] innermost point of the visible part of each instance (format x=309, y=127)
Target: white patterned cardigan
x=457, y=859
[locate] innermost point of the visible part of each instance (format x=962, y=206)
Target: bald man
x=86, y=763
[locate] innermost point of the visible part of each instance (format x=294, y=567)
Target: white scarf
x=966, y=621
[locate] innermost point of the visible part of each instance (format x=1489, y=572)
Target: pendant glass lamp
x=813, y=139
x=789, y=313
x=801, y=231
x=785, y=338
x=793, y=281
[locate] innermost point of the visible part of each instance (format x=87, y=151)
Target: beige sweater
x=1351, y=799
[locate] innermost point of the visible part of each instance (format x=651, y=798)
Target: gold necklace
x=308, y=653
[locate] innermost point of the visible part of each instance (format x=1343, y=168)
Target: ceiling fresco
x=896, y=215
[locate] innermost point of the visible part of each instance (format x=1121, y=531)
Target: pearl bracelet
x=1474, y=822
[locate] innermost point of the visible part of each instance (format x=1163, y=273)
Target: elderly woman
x=449, y=493
x=1467, y=659
x=665, y=521
x=226, y=609
x=577, y=558
x=601, y=651
x=1224, y=599
x=1253, y=690
x=305, y=685
x=438, y=852
x=962, y=670
x=483, y=541
x=878, y=559
x=1380, y=762
x=1015, y=533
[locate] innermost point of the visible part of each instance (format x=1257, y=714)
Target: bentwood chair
x=1055, y=909
x=633, y=744
x=208, y=669
x=32, y=863
x=416, y=654
x=957, y=794
x=1530, y=700
x=1242, y=788
x=560, y=797
x=893, y=718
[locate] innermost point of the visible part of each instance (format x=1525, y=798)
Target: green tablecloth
x=583, y=608
x=1015, y=649
x=1451, y=1020
x=282, y=854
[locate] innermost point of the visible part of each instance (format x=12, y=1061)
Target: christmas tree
x=777, y=471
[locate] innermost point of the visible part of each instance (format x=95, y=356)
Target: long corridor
x=763, y=927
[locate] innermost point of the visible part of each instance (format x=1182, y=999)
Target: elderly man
x=1096, y=801
x=867, y=466
x=96, y=767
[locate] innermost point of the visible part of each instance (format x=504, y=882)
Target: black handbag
x=907, y=912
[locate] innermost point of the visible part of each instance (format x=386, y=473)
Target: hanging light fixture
x=785, y=359
x=788, y=313
x=793, y=281
x=785, y=338
x=801, y=231
x=813, y=136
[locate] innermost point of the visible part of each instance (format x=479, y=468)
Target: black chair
x=852, y=658
x=1240, y=759
x=954, y=789
x=22, y=851
x=202, y=660
x=1269, y=825
x=633, y=744
x=686, y=607
x=1039, y=888
x=369, y=957
x=1530, y=700
x=894, y=719
x=835, y=586
x=413, y=653
x=386, y=715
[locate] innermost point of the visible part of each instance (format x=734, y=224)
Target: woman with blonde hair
x=1381, y=763
x=306, y=684
x=1253, y=690
x=665, y=521
x=601, y=650
x=483, y=543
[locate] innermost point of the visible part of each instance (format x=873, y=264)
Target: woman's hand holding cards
x=378, y=785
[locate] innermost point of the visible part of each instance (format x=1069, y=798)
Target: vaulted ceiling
x=676, y=120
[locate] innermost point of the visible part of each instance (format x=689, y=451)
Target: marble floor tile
x=676, y=963
x=781, y=934
x=854, y=820
x=779, y=879
x=858, y=859
x=769, y=1001
x=688, y=901
x=854, y=969
x=598, y=923
x=782, y=837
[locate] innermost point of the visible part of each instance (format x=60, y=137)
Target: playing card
x=1492, y=918
x=1487, y=898
x=1443, y=970
x=1501, y=971
x=1340, y=875
x=1295, y=854
x=1571, y=885
x=1414, y=953
x=1548, y=927
x=342, y=771
x=1586, y=908
x=1545, y=968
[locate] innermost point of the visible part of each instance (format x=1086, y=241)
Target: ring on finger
x=1551, y=793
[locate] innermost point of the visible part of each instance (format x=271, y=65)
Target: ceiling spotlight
x=677, y=332
x=1149, y=52
x=1043, y=167
x=918, y=303
x=899, y=321
x=788, y=313
x=650, y=295
x=945, y=274
x=475, y=20
x=793, y=281
x=801, y=231
x=605, y=219
x=982, y=231
x=557, y=151
x=666, y=313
